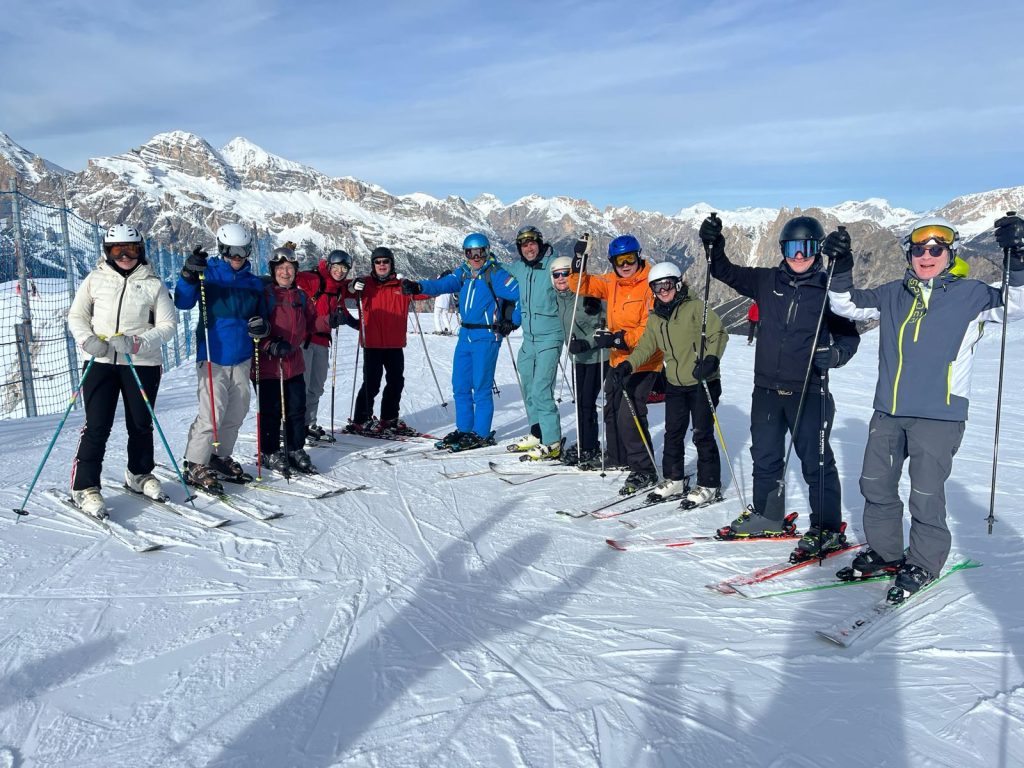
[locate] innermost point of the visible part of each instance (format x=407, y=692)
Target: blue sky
x=656, y=105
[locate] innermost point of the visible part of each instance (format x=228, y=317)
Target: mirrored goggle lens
x=560, y=274
x=238, y=252
x=800, y=249
x=663, y=286
x=527, y=237
x=126, y=251
x=476, y=253
x=933, y=232
x=625, y=259
x=917, y=251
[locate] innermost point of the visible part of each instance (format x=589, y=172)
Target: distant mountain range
x=178, y=188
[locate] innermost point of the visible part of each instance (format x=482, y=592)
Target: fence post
x=69, y=267
x=23, y=342
x=19, y=257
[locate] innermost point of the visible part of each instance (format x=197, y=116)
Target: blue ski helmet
x=623, y=244
x=476, y=240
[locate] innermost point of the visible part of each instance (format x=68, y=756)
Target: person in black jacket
x=790, y=298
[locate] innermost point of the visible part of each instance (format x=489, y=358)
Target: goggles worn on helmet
x=560, y=273
x=664, y=286
x=476, y=253
x=928, y=232
x=125, y=251
x=800, y=249
x=626, y=259
x=236, y=251
x=289, y=256
x=917, y=251
x=528, y=237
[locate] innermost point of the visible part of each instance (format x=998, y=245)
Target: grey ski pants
x=231, y=397
x=930, y=445
x=318, y=359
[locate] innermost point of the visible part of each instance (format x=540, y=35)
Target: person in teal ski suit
x=480, y=283
x=543, y=336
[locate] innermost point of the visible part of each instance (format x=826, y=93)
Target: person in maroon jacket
x=325, y=286
x=279, y=372
x=383, y=313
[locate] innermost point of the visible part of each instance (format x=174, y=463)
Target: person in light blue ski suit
x=543, y=337
x=480, y=283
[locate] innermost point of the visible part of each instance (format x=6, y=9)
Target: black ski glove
x=336, y=318
x=705, y=369
x=258, y=328
x=605, y=339
x=194, y=264
x=1010, y=236
x=711, y=234
x=505, y=327
x=279, y=348
x=350, y=321
x=411, y=287
x=825, y=358
x=617, y=376
x=591, y=306
x=578, y=346
x=839, y=251
x=581, y=252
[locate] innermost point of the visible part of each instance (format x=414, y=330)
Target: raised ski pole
x=259, y=432
x=20, y=511
x=991, y=519
x=426, y=354
x=209, y=364
x=707, y=293
x=189, y=496
x=779, y=496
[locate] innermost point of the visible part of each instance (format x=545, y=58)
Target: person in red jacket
x=753, y=318
x=278, y=374
x=325, y=287
x=383, y=313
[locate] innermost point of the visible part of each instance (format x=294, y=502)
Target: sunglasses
x=800, y=249
x=382, y=261
x=917, y=251
x=128, y=251
x=476, y=253
x=560, y=274
x=237, y=252
x=663, y=286
x=922, y=235
x=626, y=259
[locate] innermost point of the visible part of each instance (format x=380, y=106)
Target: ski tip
x=615, y=545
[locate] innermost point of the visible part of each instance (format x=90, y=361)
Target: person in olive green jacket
x=674, y=328
x=587, y=359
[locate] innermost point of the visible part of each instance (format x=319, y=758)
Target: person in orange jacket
x=628, y=298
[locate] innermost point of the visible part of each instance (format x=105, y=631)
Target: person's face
x=929, y=260
x=284, y=274
x=530, y=250
x=800, y=264
x=338, y=271
x=664, y=290
x=475, y=258
x=561, y=279
x=382, y=267
x=627, y=264
x=126, y=254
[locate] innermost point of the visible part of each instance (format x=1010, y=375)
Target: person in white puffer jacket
x=122, y=308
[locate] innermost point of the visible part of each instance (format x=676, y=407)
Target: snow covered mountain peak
x=24, y=163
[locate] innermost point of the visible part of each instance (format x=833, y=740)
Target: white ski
x=129, y=538
x=204, y=519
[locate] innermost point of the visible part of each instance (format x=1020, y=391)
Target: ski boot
x=754, y=525
x=818, y=543
x=398, y=427
x=590, y=460
x=229, y=469
x=452, y=438
x=701, y=496
x=369, y=427
x=470, y=440
x=909, y=579
x=202, y=477
x=668, y=489
x=570, y=456
x=144, y=484
x=300, y=461
x=545, y=452
x=278, y=462
x=317, y=434
x=868, y=564
x=523, y=444
x=90, y=501
x=636, y=482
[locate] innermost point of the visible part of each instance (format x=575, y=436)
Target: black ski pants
x=588, y=386
x=104, y=385
x=377, y=362
x=772, y=415
x=269, y=393
x=683, y=404
x=625, y=446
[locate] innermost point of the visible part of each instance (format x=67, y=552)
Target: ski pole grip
x=841, y=228
x=1011, y=213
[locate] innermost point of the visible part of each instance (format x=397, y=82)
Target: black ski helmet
x=525, y=235
x=382, y=252
x=339, y=257
x=803, y=229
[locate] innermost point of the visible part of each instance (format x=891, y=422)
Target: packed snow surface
x=430, y=621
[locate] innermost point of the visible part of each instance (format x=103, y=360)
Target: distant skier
x=930, y=321
x=121, y=308
x=753, y=318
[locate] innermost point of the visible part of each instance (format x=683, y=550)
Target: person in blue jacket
x=233, y=295
x=543, y=337
x=489, y=310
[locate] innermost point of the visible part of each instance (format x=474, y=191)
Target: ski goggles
x=800, y=249
x=626, y=259
x=663, y=286
x=561, y=273
x=938, y=232
x=917, y=251
x=125, y=251
x=476, y=253
x=237, y=251
x=528, y=237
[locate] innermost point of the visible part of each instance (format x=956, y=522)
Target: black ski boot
x=229, y=469
x=570, y=456
x=470, y=440
x=300, y=461
x=277, y=462
x=868, y=564
x=452, y=438
x=818, y=543
x=909, y=579
x=754, y=525
x=637, y=481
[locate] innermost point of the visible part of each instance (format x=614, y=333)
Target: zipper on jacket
x=899, y=355
x=949, y=382
x=117, y=317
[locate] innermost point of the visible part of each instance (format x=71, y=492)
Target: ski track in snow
x=459, y=622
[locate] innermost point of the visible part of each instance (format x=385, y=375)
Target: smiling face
x=530, y=249
x=929, y=260
x=284, y=274
x=382, y=267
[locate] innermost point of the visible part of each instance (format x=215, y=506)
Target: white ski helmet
x=663, y=271
x=933, y=228
x=233, y=236
x=120, y=234
x=559, y=264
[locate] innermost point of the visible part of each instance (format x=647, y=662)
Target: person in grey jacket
x=929, y=324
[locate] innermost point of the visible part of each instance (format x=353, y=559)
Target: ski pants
x=472, y=379
x=588, y=385
x=318, y=361
x=930, y=445
x=102, y=388
x=269, y=394
x=538, y=371
x=377, y=362
x=773, y=414
x=625, y=445
x=683, y=404
x=231, y=399
x=751, y=330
